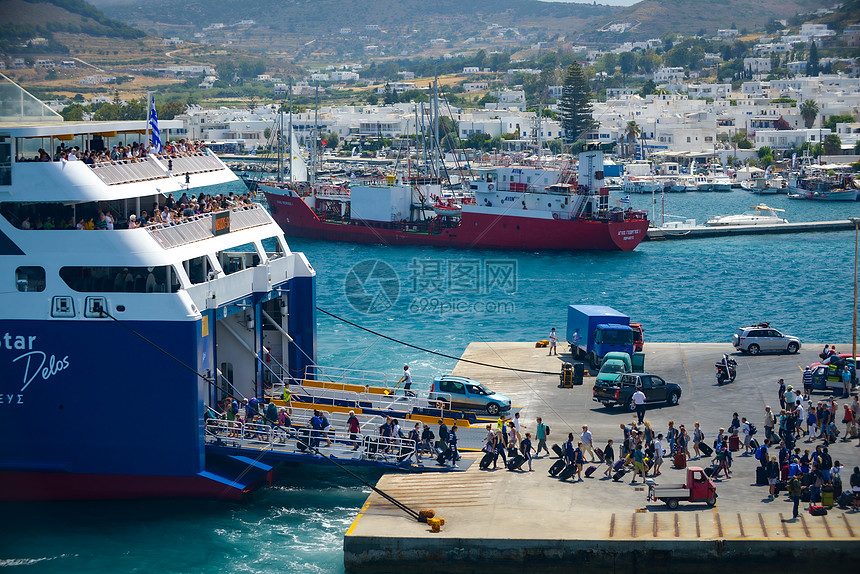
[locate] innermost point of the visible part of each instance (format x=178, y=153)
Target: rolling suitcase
x=589, y=471
x=827, y=497
x=817, y=510
x=567, y=472
x=516, y=462
x=712, y=469
x=558, y=451
x=780, y=486
x=734, y=443
x=556, y=468
x=619, y=464
x=706, y=449
x=680, y=460
x=761, y=476
x=599, y=454
x=784, y=473
x=619, y=475
x=754, y=444
x=487, y=460
x=805, y=495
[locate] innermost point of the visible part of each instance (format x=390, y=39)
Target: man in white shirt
x=518, y=427
x=553, y=342
x=639, y=401
x=587, y=440
x=406, y=379
x=658, y=455
x=745, y=428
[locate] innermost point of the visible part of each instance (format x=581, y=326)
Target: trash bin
x=578, y=372
x=566, y=377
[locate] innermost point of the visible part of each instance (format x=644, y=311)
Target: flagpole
x=148, y=118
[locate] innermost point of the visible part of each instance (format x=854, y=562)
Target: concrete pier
x=503, y=521
x=661, y=233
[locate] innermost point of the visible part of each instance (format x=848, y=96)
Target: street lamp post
x=856, y=222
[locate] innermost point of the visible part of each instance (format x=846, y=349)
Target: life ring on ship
x=490, y=187
x=555, y=216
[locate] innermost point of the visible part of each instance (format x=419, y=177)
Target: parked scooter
x=726, y=370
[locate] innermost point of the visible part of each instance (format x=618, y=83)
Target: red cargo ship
x=514, y=208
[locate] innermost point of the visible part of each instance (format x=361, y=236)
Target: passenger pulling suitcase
x=556, y=468
x=761, y=476
x=706, y=449
x=619, y=475
x=567, y=472
x=487, y=460
x=734, y=443
x=590, y=470
x=558, y=451
x=516, y=462
x=680, y=460
x=754, y=444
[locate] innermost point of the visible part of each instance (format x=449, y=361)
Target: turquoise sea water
x=696, y=290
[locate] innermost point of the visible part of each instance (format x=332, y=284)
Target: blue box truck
x=594, y=330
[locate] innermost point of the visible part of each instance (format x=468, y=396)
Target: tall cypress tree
x=575, y=105
x=813, y=62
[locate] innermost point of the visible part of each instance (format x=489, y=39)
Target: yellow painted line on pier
x=360, y=513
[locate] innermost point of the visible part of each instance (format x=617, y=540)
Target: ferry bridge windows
x=198, y=269
x=273, y=247
x=5, y=163
x=121, y=279
x=30, y=279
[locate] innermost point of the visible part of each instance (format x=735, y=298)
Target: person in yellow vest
x=287, y=397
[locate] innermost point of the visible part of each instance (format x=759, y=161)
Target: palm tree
x=632, y=131
x=809, y=111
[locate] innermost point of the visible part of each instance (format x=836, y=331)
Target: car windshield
x=616, y=337
x=612, y=368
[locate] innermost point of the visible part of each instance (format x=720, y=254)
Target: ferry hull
x=53, y=486
x=476, y=230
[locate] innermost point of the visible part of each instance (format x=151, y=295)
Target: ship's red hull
x=476, y=230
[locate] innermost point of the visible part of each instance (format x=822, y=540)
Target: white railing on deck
x=194, y=163
x=128, y=171
x=199, y=227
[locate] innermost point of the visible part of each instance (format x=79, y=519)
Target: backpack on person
x=753, y=430
x=546, y=430
x=758, y=452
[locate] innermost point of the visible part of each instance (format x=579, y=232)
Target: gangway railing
x=390, y=401
x=346, y=376
x=302, y=440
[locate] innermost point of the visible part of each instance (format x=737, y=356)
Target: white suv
x=763, y=339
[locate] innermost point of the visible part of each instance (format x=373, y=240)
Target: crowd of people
x=169, y=212
x=120, y=153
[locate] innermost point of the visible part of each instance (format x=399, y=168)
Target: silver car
x=760, y=339
x=466, y=393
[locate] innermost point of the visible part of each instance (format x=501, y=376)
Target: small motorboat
x=448, y=208
x=764, y=215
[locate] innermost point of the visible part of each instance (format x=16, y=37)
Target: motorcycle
x=726, y=370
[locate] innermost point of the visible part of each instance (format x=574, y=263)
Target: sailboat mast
x=292, y=151
x=313, y=174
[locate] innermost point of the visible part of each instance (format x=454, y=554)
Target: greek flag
x=153, y=125
x=625, y=200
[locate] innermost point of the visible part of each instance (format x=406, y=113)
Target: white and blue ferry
x=114, y=342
